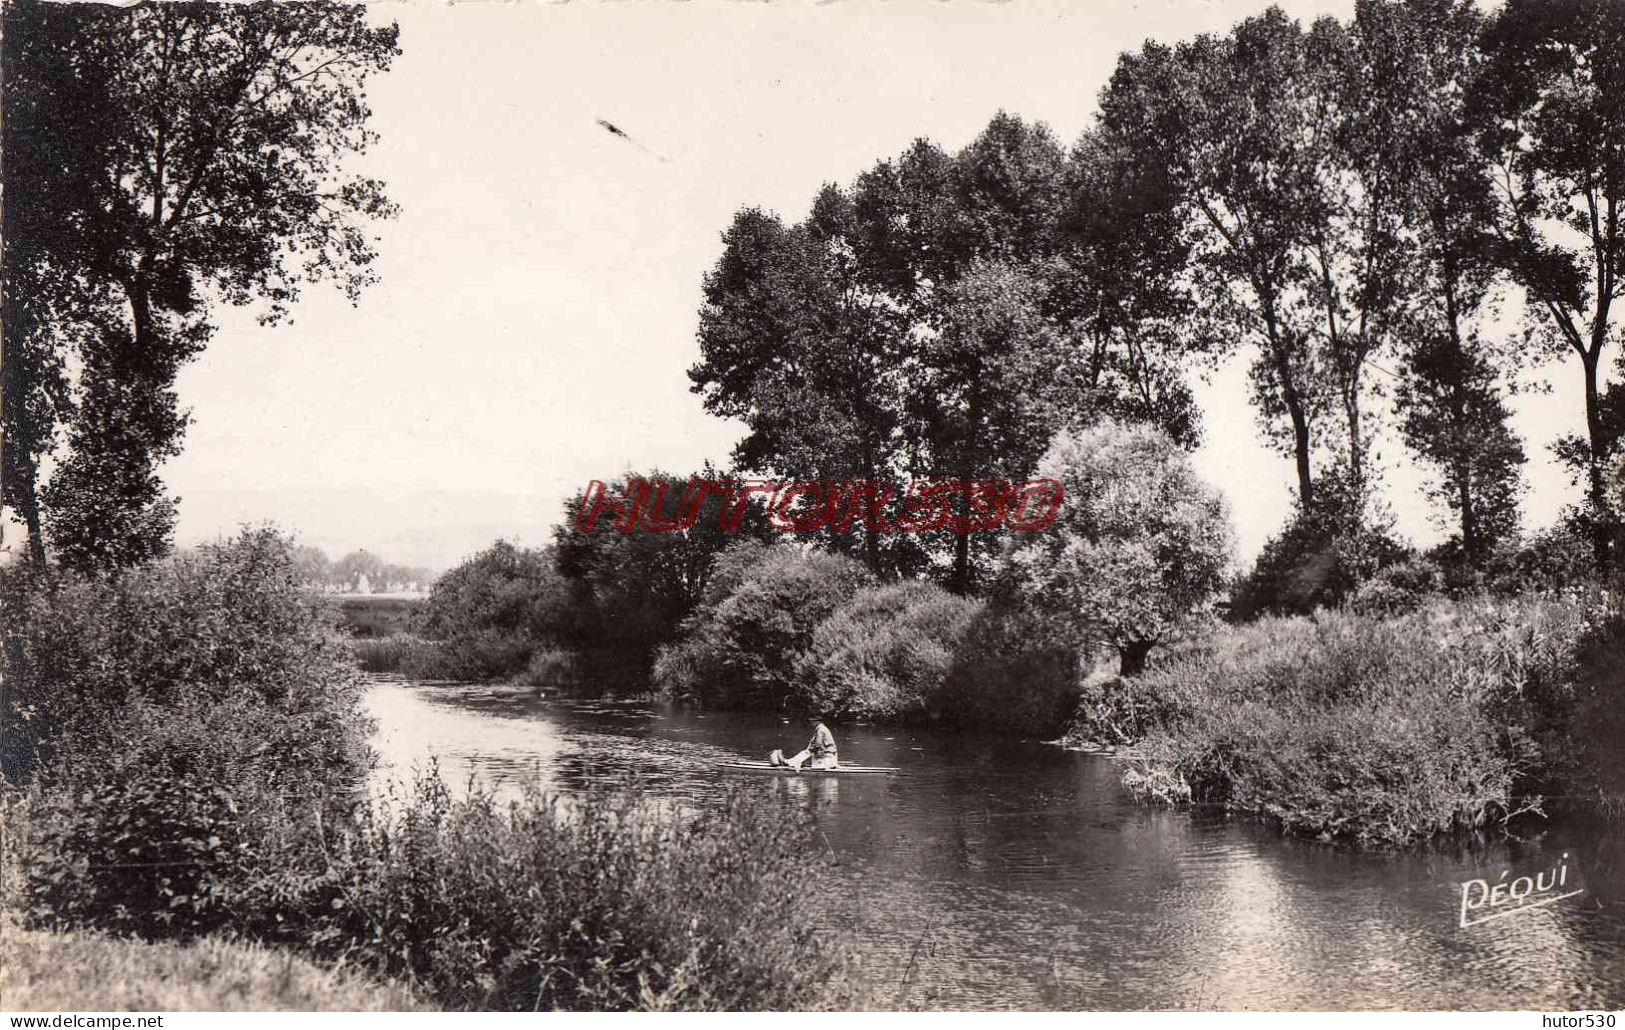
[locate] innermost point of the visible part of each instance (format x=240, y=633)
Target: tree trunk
x=18, y=445
x=1601, y=527
x=1132, y=658
x=1300, y=449
x=1294, y=407
x=28, y=504
x=967, y=468
x=1470, y=544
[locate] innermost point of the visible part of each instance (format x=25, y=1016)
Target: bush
x=176, y=714
x=885, y=654
x=1400, y=588
x=594, y=902
x=1140, y=549
x=228, y=620
x=491, y=613
x=552, y=667
x=740, y=647
x=1599, y=709
x=1320, y=558
x=1011, y=675
x=1383, y=730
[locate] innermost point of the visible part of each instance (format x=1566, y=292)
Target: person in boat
x=819, y=753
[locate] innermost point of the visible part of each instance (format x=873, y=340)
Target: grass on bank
x=56, y=972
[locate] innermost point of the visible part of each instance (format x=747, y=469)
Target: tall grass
x=595, y=902
x=1458, y=715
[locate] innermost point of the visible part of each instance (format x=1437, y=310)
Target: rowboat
x=785, y=770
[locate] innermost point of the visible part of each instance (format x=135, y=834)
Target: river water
x=999, y=873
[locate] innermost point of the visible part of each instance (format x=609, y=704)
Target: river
x=1000, y=873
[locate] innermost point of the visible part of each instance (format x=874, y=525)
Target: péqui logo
x=1522, y=894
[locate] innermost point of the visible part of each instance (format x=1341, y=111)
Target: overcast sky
x=540, y=288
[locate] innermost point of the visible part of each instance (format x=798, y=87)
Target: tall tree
x=1270, y=137
x=160, y=157
x=1550, y=95
x=794, y=343
x=1421, y=59
x=1454, y=417
x=1222, y=120
x=1122, y=289
x=994, y=385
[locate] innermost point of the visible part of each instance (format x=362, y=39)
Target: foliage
x=1318, y=559
x=1011, y=674
x=156, y=816
x=552, y=667
x=600, y=901
x=489, y=614
x=1598, y=714
x=1548, y=103
x=629, y=591
x=996, y=382
x=158, y=156
x=944, y=316
x=408, y=655
x=886, y=653
x=1422, y=63
x=366, y=618
x=1141, y=546
x=755, y=621
x=1119, y=284
x=794, y=343
x=1297, y=248
x=1455, y=418
x=1399, y=589
x=223, y=621
x=1380, y=729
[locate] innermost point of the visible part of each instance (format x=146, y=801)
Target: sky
x=540, y=289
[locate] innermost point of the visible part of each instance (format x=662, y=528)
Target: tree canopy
x=161, y=158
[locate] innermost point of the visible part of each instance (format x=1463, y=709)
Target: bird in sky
x=616, y=130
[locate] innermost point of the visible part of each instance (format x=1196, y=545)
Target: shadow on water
x=998, y=873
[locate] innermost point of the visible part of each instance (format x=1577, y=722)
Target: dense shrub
x=756, y=620
x=167, y=716
x=227, y=620
x=552, y=667
x=1011, y=675
x=1384, y=729
x=1321, y=557
x=487, y=616
x=1400, y=588
x=159, y=827
x=593, y=902
x=630, y=591
x=1598, y=713
x=886, y=653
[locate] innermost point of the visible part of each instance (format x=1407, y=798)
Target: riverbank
x=1461, y=715
x=194, y=754
x=67, y=972
x=992, y=873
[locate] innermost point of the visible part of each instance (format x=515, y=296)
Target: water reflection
x=1006, y=874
